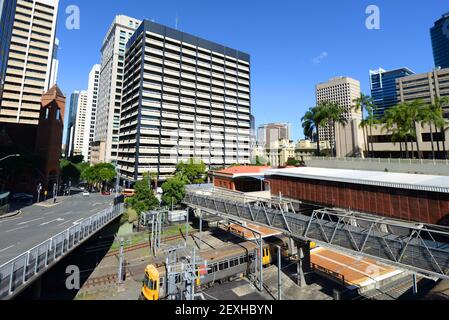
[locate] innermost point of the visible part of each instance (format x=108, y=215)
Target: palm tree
x=396, y=123
x=333, y=114
x=362, y=104
x=437, y=108
x=416, y=113
x=311, y=122
x=433, y=116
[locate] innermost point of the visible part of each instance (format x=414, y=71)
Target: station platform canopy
x=248, y=235
x=353, y=272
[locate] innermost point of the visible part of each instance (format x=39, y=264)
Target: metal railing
x=383, y=160
x=23, y=269
x=412, y=246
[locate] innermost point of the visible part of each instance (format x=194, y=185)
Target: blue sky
x=294, y=44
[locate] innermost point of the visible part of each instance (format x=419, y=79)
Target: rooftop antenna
x=177, y=22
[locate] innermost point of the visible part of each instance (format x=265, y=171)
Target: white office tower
x=91, y=111
x=54, y=64
x=183, y=97
x=28, y=68
x=105, y=146
x=80, y=124
x=343, y=91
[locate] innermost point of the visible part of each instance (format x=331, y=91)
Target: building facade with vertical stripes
x=183, y=97
x=29, y=60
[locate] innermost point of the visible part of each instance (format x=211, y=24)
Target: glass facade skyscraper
x=440, y=41
x=383, y=88
x=7, y=9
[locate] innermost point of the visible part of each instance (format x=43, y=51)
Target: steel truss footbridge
x=419, y=248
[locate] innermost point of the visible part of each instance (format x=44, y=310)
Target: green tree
x=397, y=123
x=258, y=162
x=364, y=104
x=333, y=114
x=173, y=191
x=293, y=162
x=192, y=171
x=435, y=118
x=90, y=175
x=312, y=121
x=144, y=199
x=98, y=175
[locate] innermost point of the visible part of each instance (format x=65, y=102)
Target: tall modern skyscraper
x=70, y=126
x=268, y=135
x=341, y=90
x=383, y=88
x=440, y=41
x=91, y=110
x=183, y=97
x=7, y=11
x=29, y=61
x=54, y=64
x=105, y=146
x=80, y=125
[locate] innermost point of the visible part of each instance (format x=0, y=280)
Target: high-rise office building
x=80, y=125
x=29, y=61
x=54, y=64
x=383, y=88
x=105, y=146
x=440, y=41
x=424, y=86
x=70, y=125
x=183, y=97
x=7, y=11
x=343, y=91
x=91, y=110
x=269, y=134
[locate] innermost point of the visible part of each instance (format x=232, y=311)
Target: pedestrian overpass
x=18, y=273
x=419, y=248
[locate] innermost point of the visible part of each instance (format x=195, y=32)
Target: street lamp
x=10, y=156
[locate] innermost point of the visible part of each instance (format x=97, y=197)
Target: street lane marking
x=15, y=229
x=25, y=222
x=48, y=222
x=7, y=248
x=12, y=219
x=59, y=225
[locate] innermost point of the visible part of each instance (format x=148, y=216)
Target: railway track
x=109, y=279
x=145, y=245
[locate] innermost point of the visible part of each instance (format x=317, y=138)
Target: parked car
x=86, y=193
x=106, y=193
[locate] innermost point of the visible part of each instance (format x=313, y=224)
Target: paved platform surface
x=39, y=222
x=352, y=271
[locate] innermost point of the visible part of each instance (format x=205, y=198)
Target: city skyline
x=288, y=81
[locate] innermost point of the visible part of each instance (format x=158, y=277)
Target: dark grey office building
x=440, y=41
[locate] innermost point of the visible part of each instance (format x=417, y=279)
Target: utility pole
x=415, y=284
x=187, y=227
x=201, y=226
x=39, y=189
x=55, y=190
x=279, y=273
x=120, y=266
x=117, y=182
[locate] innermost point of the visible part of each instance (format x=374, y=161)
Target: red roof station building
x=241, y=178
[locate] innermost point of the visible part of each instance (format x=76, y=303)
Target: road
x=38, y=223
